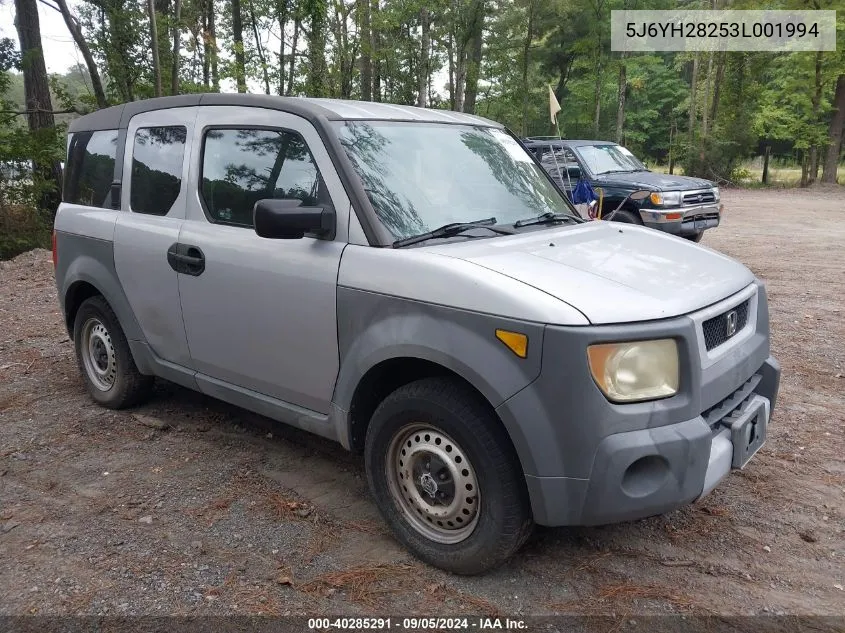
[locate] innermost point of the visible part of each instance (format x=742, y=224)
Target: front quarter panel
x=373, y=328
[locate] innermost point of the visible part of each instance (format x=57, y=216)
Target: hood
x=612, y=273
x=653, y=180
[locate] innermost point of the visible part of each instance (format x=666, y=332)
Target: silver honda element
x=411, y=284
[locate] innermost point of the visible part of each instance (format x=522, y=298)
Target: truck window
x=90, y=167
x=157, y=155
x=242, y=166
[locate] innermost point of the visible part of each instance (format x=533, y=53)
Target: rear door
x=153, y=201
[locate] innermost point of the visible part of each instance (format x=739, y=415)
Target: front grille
x=722, y=410
x=698, y=197
x=717, y=330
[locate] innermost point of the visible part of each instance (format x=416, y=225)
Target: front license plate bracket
x=748, y=431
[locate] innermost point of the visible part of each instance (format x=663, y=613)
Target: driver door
x=261, y=314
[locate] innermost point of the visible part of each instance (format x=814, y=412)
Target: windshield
x=420, y=176
x=604, y=159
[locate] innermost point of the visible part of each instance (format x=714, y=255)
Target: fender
x=91, y=260
x=378, y=327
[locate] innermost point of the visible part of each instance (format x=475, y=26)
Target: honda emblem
x=730, y=323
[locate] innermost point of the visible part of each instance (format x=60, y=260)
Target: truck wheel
x=628, y=217
x=446, y=478
x=104, y=358
x=695, y=237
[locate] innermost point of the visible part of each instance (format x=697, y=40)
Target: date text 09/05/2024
x=417, y=623
x=721, y=29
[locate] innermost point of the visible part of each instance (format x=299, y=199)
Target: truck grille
x=720, y=328
x=698, y=197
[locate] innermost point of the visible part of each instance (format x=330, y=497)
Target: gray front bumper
x=588, y=461
x=642, y=473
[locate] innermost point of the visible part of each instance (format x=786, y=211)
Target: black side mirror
x=287, y=219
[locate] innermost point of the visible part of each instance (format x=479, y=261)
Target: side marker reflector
x=516, y=342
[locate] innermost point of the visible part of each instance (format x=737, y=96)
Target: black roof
x=118, y=116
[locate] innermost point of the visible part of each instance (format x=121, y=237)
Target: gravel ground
x=190, y=506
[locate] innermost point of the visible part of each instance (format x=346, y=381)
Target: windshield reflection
x=420, y=176
x=606, y=159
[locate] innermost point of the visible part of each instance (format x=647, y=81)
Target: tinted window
x=90, y=167
x=157, y=168
x=242, y=166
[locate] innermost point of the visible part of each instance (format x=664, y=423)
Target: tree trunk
x=526, y=53
x=813, y=168
x=177, y=41
x=705, y=113
x=363, y=14
x=154, y=34
x=717, y=83
x=375, y=48
x=425, y=42
x=620, y=100
x=474, y=61
x=597, y=118
x=206, y=47
x=212, y=36
x=238, y=37
x=450, y=48
x=834, y=134
x=37, y=94
x=692, y=91
x=297, y=24
x=93, y=72
x=316, y=78
x=258, y=47
x=282, y=17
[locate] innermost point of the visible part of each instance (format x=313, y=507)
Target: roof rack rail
x=543, y=138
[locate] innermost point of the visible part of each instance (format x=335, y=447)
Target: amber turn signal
x=516, y=342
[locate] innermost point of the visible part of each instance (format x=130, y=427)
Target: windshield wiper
x=549, y=217
x=455, y=228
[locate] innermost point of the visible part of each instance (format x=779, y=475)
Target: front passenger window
x=242, y=166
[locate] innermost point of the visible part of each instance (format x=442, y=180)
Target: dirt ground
x=190, y=506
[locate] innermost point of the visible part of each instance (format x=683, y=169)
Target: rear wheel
x=104, y=358
x=446, y=478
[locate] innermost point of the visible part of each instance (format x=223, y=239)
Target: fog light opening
x=645, y=476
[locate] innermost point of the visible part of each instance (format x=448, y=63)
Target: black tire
x=626, y=216
x=695, y=237
x=120, y=385
x=502, y=521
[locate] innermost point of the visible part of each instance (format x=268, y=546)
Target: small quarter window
x=90, y=168
x=242, y=166
x=157, y=157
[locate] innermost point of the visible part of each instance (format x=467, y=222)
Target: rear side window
x=90, y=168
x=242, y=166
x=157, y=155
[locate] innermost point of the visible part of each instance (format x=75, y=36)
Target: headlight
x=716, y=194
x=641, y=370
x=666, y=198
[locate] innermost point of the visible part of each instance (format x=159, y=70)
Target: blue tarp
x=583, y=193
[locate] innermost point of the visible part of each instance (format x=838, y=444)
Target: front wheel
x=446, y=478
x=624, y=215
x=695, y=237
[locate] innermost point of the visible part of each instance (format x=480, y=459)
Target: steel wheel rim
x=433, y=483
x=98, y=355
